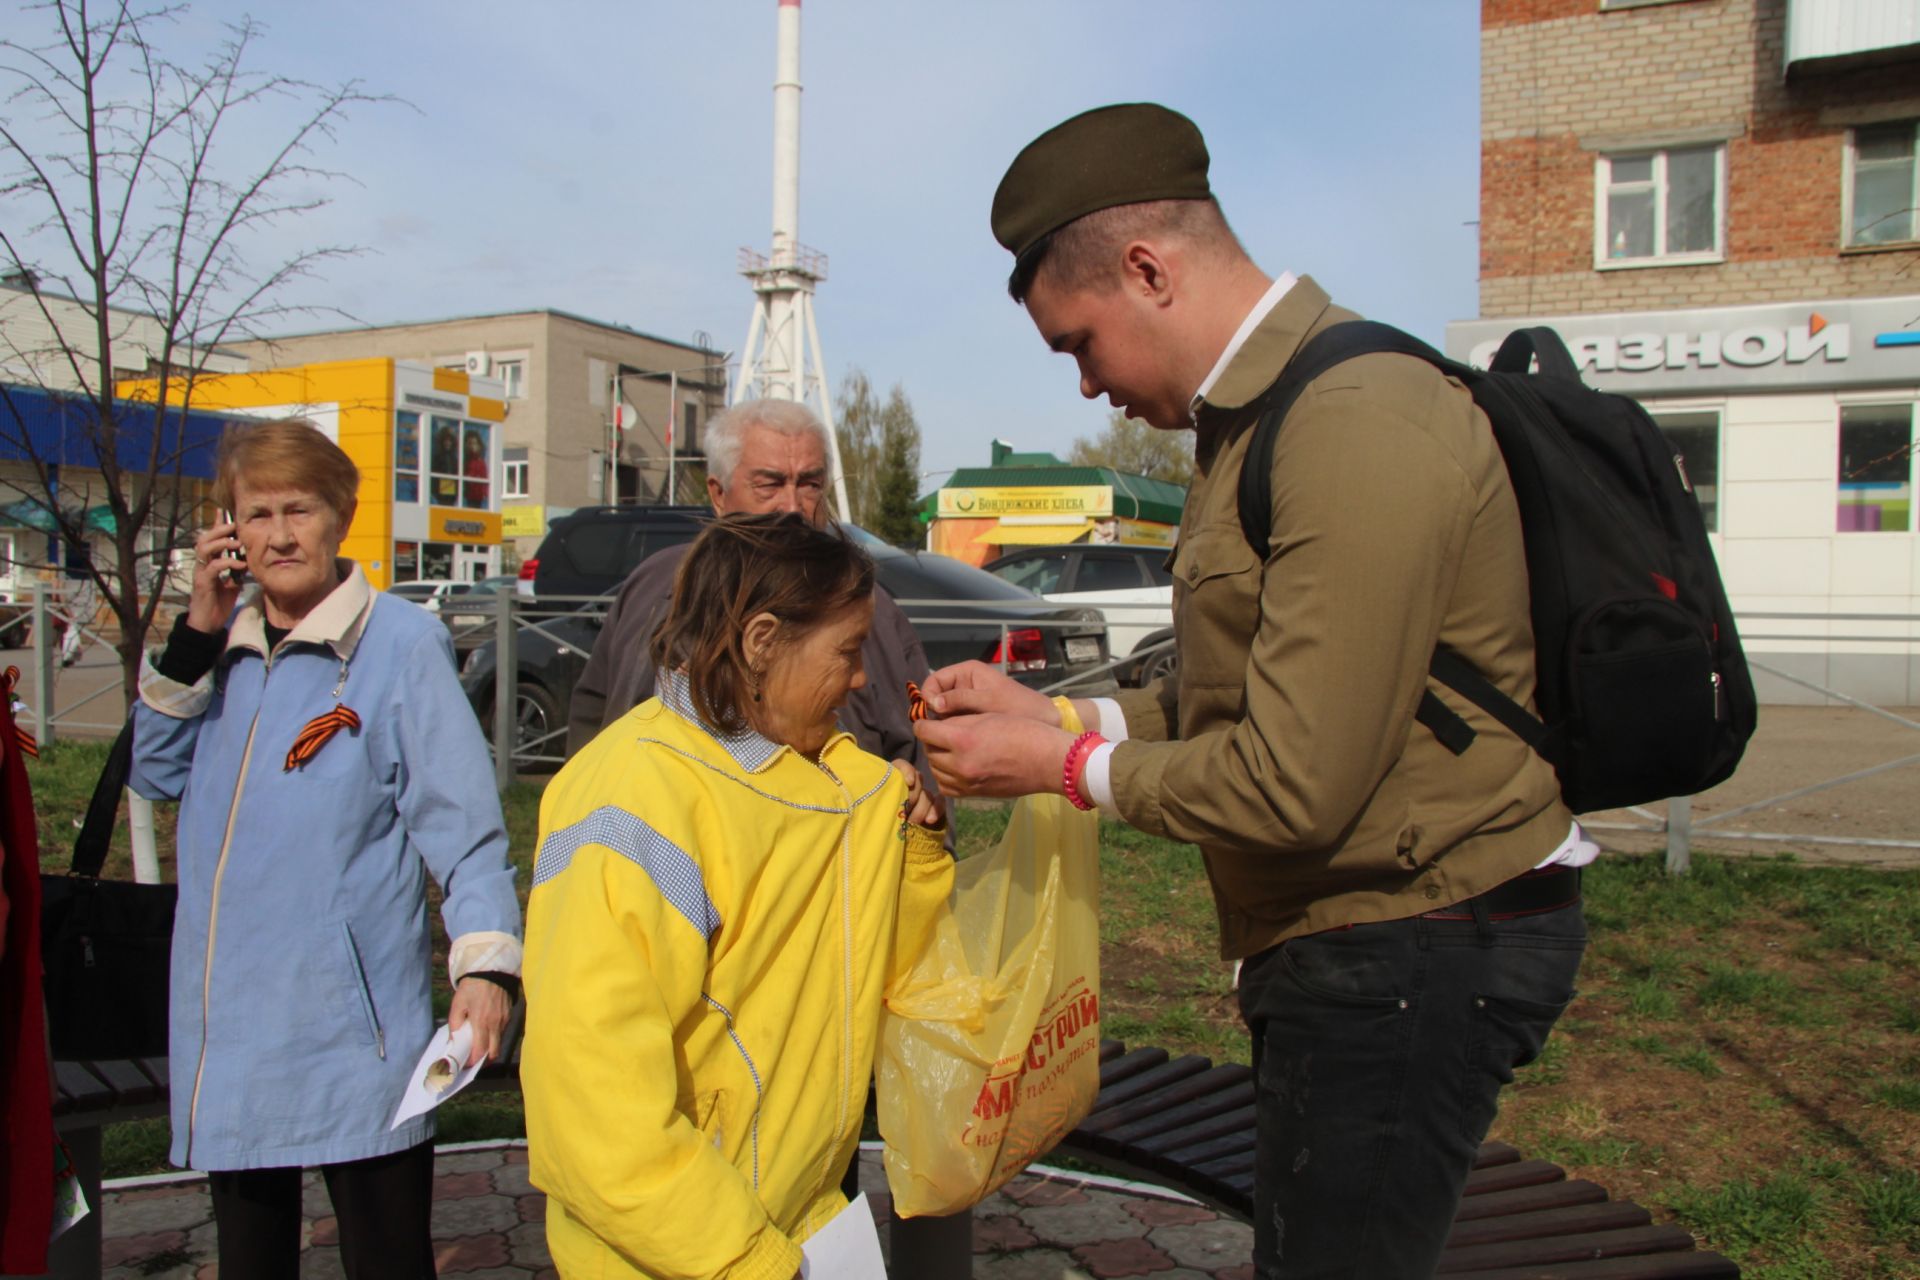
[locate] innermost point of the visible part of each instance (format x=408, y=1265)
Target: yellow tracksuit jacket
x=714, y=924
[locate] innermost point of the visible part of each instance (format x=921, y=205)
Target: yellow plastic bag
x=990, y=1050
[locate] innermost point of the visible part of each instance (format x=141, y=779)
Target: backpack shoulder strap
x=1335, y=345
x=1332, y=346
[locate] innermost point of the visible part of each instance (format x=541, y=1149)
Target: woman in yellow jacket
x=724, y=889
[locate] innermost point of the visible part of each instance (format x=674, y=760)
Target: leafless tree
x=137, y=191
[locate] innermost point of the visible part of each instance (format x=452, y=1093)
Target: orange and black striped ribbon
x=319, y=732
x=917, y=708
x=29, y=745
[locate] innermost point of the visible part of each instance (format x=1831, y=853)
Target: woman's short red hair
x=286, y=455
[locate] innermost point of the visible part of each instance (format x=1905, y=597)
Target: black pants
x=1379, y=1053
x=383, y=1205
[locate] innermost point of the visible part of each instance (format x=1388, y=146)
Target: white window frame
x=1718, y=408
x=1847, y=189
x=522, y=471
x=515, y=390
x=1603, y=181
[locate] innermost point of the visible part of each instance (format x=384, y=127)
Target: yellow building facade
x=426, y=440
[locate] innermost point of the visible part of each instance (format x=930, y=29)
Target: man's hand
x=997, y=754
x=970, y=687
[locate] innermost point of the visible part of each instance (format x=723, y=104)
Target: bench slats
x=1505, y=1177
x=130, y=1085
x=1147, y=1084
x=1492, y=1153
x=80, y=1088
x=1697, y=1265
x=1128, y=1065
x=1543, y=1250
x=1547, y=1195
x=1186, y=1087
x=1179, y=1117
x=1606, y=1215
x=1200, y=1131
x=1227, y=1144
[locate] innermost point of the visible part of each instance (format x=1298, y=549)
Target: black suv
x=958, y=611
x=590, y=551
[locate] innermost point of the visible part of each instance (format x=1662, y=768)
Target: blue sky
x=610, y=158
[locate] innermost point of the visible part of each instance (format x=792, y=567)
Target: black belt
x=1546, y=889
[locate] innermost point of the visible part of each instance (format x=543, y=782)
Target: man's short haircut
x=1086, y=252
x=726, y=431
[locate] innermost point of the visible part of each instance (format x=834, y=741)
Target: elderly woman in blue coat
x=326, y=762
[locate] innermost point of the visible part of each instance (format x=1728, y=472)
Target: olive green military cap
x=1122, y=154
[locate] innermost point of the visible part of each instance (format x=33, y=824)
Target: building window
x=1696, y=438
x=476, y=465
x=406, y=457
x=1659, y=207
x=689, y=427
x=514, y=374
x=516, y=482
x=1876, y=468
x=1883, y=184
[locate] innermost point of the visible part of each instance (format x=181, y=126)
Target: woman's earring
x=753, y=684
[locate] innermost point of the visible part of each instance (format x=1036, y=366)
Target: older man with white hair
x=762, y=455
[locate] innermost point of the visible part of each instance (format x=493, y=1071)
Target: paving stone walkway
x=487, y=1225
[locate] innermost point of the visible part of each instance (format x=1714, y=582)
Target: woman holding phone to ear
x=326, y=762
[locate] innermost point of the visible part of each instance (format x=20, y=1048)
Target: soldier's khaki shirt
x=1286, y=746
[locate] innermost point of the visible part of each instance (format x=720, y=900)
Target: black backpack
x=1642, y=687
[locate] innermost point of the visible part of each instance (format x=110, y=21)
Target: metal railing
x=46, y=715
x=1679, y=825
x=528, y=743
x=525, y=733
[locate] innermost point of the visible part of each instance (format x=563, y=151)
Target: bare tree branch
x=124, y=223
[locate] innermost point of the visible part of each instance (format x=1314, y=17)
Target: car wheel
x=1164, y=663
x=538, y=727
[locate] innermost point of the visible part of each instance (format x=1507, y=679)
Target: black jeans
x=383, y=1205
x=1379, y=1052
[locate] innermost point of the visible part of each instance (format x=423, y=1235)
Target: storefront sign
x=1144, y=533
x=1091, y=500
x=522, y=521
x=478, y=528
x=1862, y=342
x=434, y=402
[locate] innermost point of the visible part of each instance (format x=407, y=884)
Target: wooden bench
x=1178, y=1122
x=1187, y=1124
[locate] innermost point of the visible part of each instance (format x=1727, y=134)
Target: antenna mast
x=781, y=359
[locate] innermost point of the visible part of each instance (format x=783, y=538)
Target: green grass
x=1747, y=1217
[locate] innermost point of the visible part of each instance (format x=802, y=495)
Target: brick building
x=1714, y=202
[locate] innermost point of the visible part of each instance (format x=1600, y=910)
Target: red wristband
x=1082, y=746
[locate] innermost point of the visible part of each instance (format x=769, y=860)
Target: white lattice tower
x=781, y=358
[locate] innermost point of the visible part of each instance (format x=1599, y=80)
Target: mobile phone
x=228, y=575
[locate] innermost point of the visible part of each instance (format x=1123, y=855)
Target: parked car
x=591, y=550
x=958, y=611
x=429, y=595
x=1131, y=586
x=468, y=612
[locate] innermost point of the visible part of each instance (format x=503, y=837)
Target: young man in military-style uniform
x=1409, y=919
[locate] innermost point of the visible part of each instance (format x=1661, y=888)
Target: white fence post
x=42, y=665
x=1679, y=835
